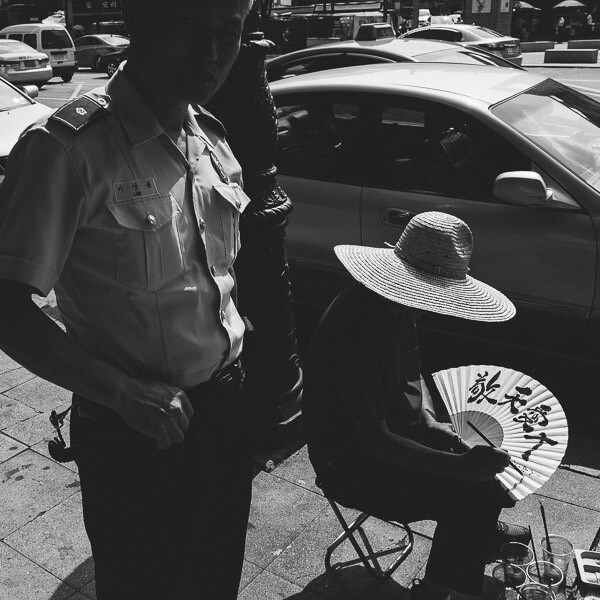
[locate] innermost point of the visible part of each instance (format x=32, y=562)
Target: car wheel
x=97, y=63
x=67, y=77
x=111, y=68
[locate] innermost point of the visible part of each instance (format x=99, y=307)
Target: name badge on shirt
x=131, y=190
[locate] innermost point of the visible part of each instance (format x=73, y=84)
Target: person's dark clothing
x=189, y=539
x=358, y=368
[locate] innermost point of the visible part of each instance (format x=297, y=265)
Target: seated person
x=372, y=435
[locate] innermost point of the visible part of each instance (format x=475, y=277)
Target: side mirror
x=523, y=188
x=31, y=90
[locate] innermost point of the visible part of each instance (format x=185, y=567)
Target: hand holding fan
x=512, y=411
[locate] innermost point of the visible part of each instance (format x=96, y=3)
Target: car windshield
x=10, y=98
x=55, y=38
x=464, y=57
x=561, y=121
x=14, y=46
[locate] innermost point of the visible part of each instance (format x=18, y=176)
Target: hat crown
x=437, y=243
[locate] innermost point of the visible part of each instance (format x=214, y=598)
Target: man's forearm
x=32, y=339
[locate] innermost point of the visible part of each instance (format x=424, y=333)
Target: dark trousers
x=466, y=513
x=169, y=524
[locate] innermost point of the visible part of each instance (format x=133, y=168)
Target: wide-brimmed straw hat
x=427, y=269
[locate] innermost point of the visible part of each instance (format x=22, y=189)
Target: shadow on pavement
x=74, y=580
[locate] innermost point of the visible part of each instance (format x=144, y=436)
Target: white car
x=18, y=111
x=22, y=65
x=514, y=154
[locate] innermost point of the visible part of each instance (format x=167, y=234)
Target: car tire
x=111, y=68
x=67, y=77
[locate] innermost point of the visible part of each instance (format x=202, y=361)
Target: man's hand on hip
x=159, y=411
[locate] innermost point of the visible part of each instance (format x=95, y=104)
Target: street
x=55, y=93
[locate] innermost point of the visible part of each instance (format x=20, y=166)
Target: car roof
x=28, y=27
x=396, y=46
x=437, y=79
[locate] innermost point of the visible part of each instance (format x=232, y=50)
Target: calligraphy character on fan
x=369, y=419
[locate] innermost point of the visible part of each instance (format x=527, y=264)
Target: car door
x=85, y=50
x=435, y=157
x=314, y=136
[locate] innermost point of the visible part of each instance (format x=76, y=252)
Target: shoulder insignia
x=204, y=116
x=81, y=111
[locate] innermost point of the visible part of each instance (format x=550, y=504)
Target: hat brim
x=380, y=270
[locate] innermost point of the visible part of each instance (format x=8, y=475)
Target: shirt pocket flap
x=145, y=214
x=234, y=195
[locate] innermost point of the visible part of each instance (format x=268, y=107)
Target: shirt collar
x=136, y=117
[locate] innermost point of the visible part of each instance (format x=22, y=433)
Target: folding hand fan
x=515, y=413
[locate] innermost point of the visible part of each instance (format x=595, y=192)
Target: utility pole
x=245, y=106
x=415, y=11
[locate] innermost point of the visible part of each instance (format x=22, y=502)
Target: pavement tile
x=297, y=469
x=12, y=411
x=303, y=560
x=7, y=363
x=250, y=571
x=40, y=394
x=57, y=542
x=21, y=579
x=572, y=487
x=33, y=430
x=270, y=587
x=42, y=448
x=31, y=485
x=583, y=455
x=13, y=378
x=280, y=511
x=9, y=447
x=89, y=590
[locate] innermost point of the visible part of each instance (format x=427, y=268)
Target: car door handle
x=396, y=217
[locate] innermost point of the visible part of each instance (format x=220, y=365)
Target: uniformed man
x=126, y=202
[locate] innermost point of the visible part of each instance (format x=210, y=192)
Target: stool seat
x=367, y=556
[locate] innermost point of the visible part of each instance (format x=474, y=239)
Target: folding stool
x=368, y=556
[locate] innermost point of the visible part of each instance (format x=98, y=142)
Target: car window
x=116, y=40
x=83, y=41
x=317, y=138
x=423, y=146
x=323, y=63
x=447, y=35
x=53, y=39
x=484, y=32
x=15, y=36
x=30, y=39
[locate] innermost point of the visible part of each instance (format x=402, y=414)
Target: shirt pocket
x=232, y=202
x=149, y=249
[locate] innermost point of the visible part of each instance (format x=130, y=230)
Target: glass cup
x=549, y=575
x=507, y=580
x=517, y=554
x=535, y=591
x=559, y=551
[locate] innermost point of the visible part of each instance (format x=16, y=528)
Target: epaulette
x=212, y=121
x=80, y=112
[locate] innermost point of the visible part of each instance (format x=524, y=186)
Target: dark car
x=89, y=49
x=109, y=63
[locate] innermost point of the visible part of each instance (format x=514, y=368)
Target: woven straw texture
x=427, y=269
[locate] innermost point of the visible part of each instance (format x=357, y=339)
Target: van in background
x=51, y=39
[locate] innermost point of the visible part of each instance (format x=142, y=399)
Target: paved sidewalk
x=44, y=552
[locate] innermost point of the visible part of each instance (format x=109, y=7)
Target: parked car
x=472, y=36
x=352, y=53
x=22, y=65
x=424, y=17
x=18, y=111
x=110, y=62
x=441, y=20
x=516, y=155
x=374, y=31
x=49, y=38
x=89, y=49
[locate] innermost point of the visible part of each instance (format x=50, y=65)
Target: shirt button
x=213, y=270
x=222, y=315
x=202, y=223
x=238, y=204
x=151, y=220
